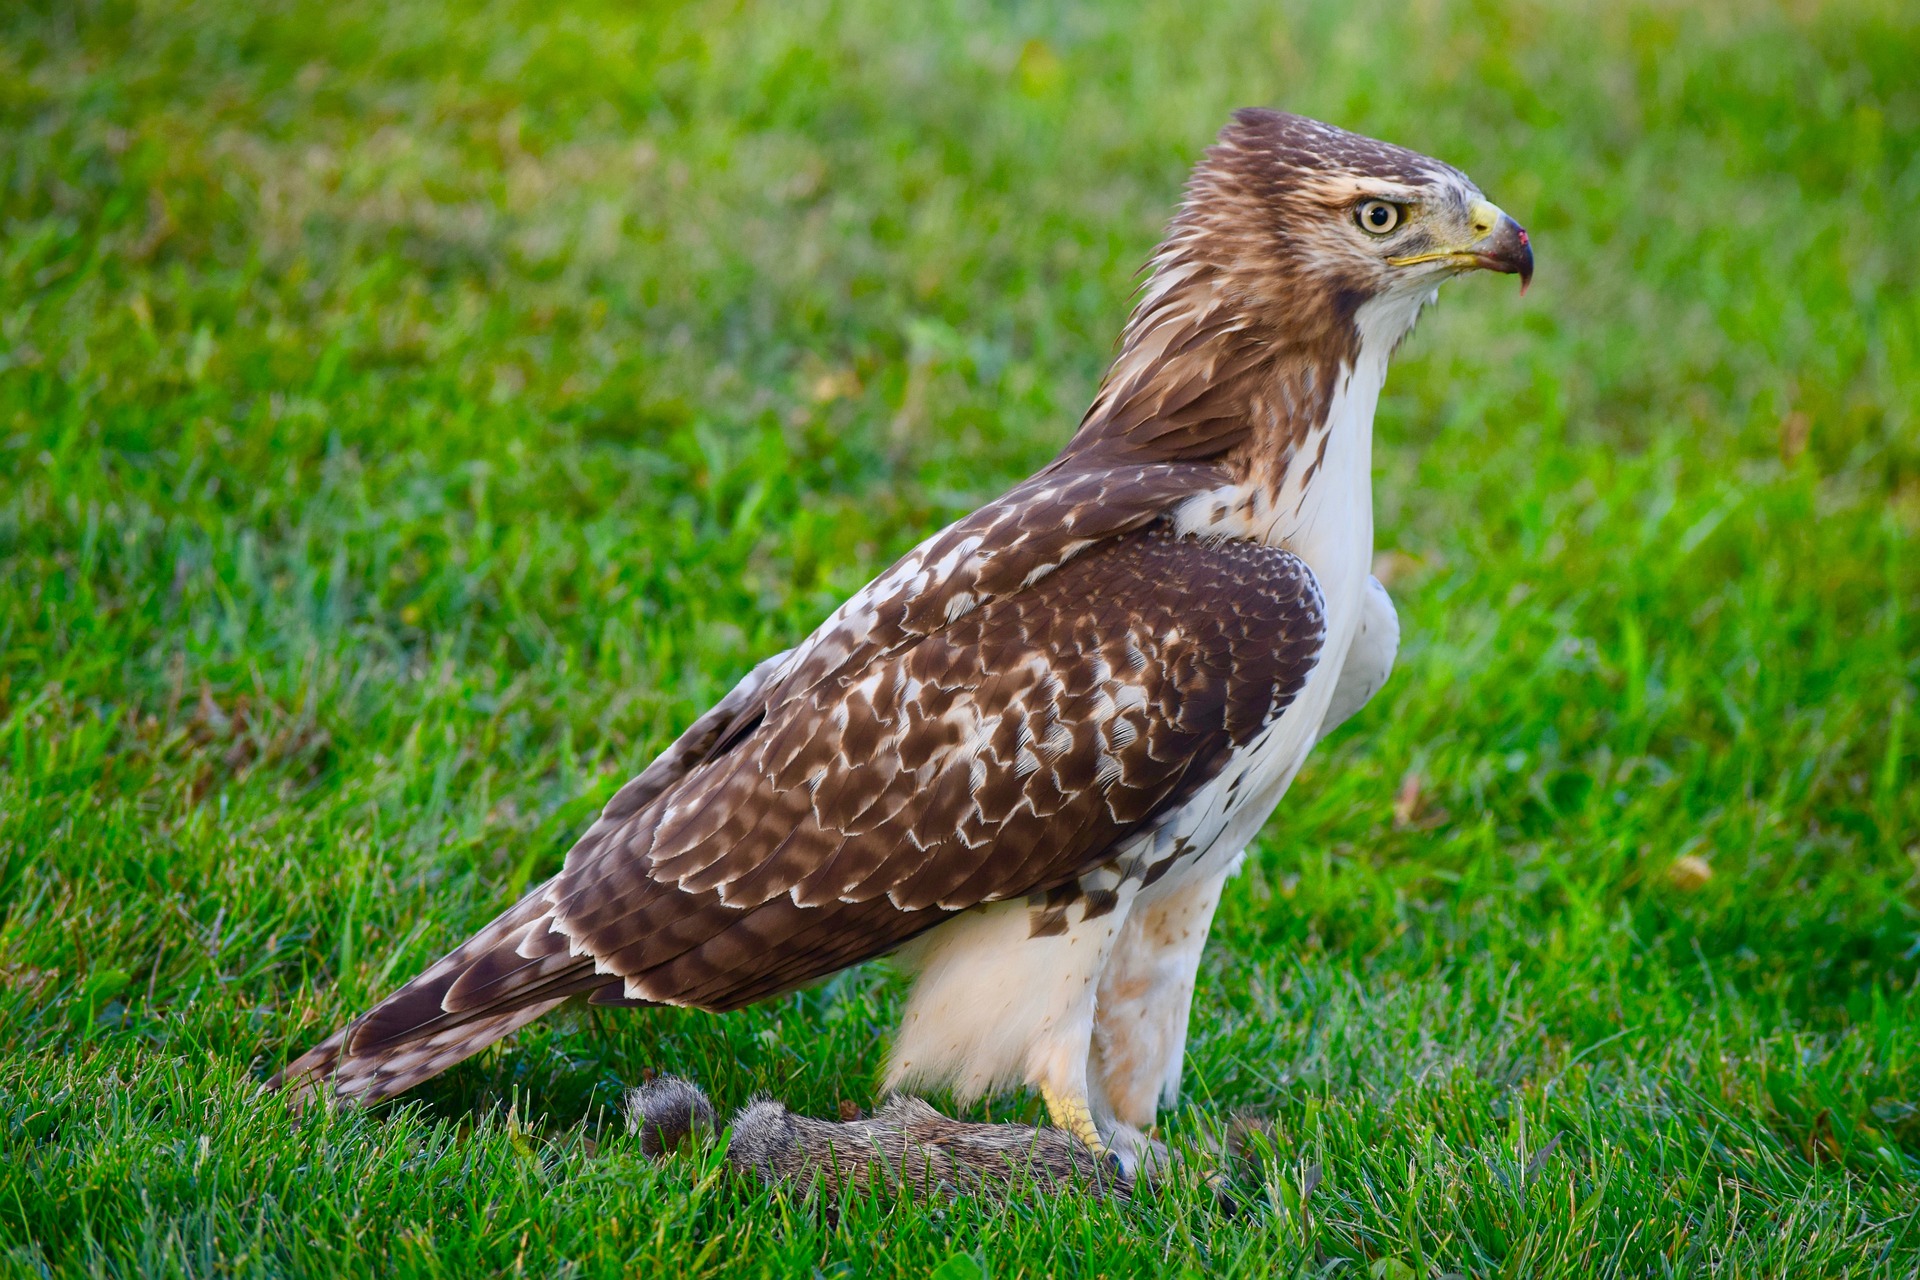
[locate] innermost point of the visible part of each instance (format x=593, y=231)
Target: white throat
x=1324, y=510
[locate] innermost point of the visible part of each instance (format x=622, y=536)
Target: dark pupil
x=1377, y=215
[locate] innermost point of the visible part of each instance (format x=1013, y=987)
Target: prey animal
x=1027, y=757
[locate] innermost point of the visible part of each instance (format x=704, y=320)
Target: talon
x=1071, y=1113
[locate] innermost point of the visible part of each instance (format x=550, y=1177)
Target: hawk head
x=1302, y=224
x=1299, y=249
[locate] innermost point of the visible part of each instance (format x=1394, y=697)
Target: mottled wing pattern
x=1009, y=544
x=1001, y=755
x=985, y=720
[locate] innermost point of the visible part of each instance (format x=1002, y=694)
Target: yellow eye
x=1377, y=217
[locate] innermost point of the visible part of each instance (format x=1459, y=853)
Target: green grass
x=410, y=415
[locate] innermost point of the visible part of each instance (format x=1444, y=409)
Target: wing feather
x=1023, y=741
x=992, y=716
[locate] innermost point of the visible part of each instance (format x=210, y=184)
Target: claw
x=1071, y=1113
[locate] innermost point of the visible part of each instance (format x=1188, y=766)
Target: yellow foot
x=1070, y=1112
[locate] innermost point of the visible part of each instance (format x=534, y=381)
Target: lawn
x=411, y=415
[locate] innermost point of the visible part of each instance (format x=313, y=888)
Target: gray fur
x=666, y=1112
x=905, y=1145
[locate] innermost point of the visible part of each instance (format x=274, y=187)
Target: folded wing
x=988, y=719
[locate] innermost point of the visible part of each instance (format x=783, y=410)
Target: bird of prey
x=1026, y=758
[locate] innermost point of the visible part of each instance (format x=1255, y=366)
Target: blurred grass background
x=411, y=415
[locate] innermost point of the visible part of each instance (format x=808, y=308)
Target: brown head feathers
x=1252, y=303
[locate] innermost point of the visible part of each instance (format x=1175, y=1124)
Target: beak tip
x=1523, y=257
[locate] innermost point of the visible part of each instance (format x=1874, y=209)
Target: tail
x=499, y=980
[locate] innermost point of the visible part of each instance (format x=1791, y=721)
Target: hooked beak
x=1499, y=244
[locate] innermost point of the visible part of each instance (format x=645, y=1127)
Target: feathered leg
x=1141, y=1013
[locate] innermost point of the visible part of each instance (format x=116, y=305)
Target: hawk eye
x=1377, y=217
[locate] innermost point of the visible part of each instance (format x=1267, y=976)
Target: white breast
x=1326, y=520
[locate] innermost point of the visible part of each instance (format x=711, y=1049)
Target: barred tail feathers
x=512, y=971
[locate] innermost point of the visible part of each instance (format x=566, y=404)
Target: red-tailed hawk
x=1027, y=756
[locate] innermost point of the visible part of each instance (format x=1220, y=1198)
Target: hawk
x=1026, y=758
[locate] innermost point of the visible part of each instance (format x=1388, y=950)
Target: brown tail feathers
x=502, y=978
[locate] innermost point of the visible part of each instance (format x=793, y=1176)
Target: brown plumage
x=1079, y=696
x=1043, y=726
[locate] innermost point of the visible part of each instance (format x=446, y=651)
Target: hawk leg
x=1141, y=1013
x=1071, y=1113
